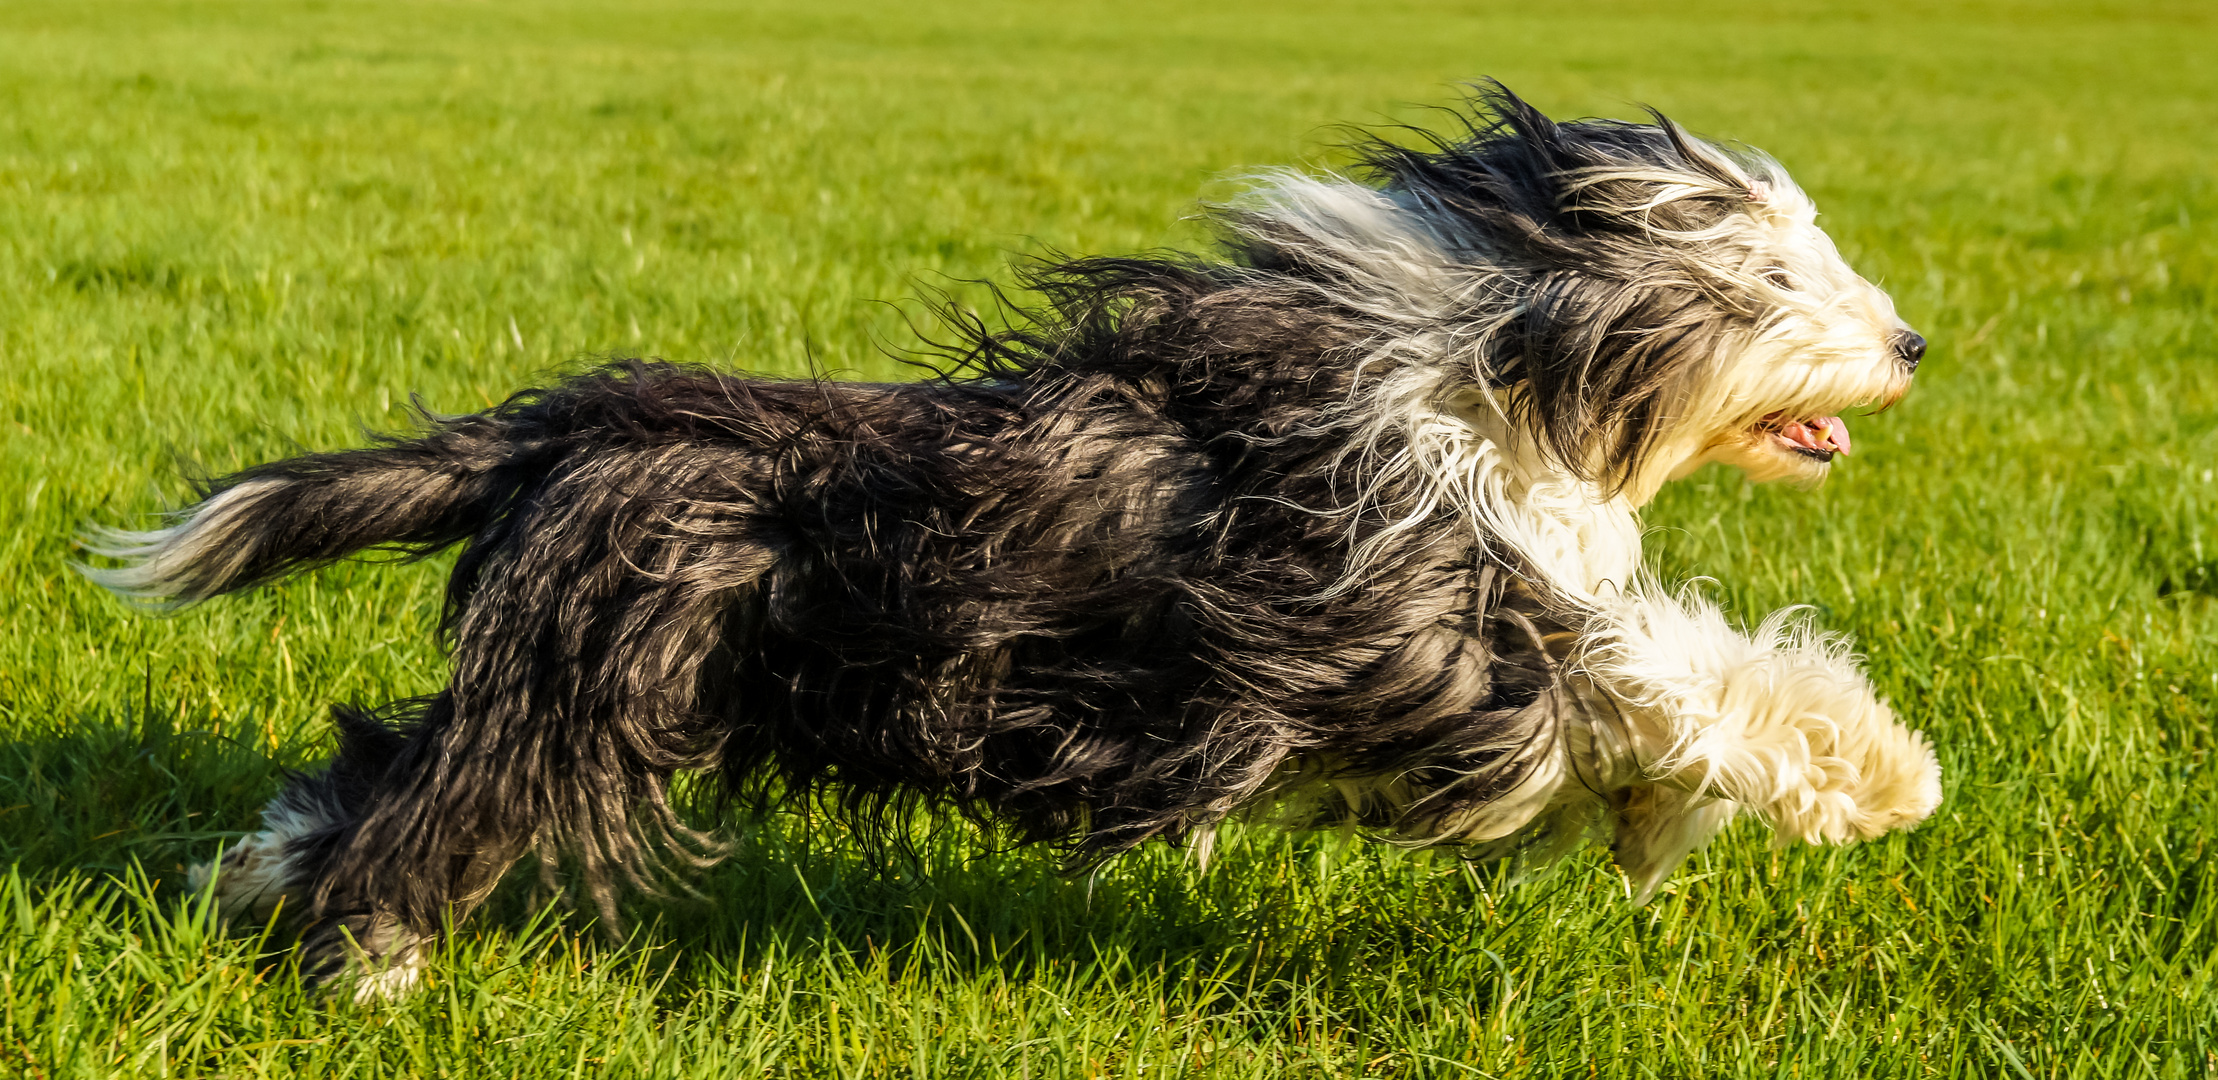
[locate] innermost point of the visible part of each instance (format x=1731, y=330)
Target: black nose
x=1909, y=348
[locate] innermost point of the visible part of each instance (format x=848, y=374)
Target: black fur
x=1089, y=592
x=1602, y=362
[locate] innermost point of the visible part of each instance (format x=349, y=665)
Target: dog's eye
x=1779, y=279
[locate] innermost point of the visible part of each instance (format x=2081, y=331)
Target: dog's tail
x=409, y=494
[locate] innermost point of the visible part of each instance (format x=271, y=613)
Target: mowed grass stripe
x=230, y=231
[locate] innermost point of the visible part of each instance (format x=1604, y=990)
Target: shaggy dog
x=1336, y=525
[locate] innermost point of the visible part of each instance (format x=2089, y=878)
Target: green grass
x=230, y=230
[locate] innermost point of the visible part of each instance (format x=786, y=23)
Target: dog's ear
x=1603, y=364
x=1605, y=327
x=1611, y=331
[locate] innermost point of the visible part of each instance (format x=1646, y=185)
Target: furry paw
x=1860, y=781
x=369, y=957
x=1782, y=722
x=1799, y=739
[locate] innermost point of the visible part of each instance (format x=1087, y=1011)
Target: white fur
x=1657, y=827
x=1780, y=721
x=388, y=981
x=257, y=879
x=258, y=874
x=160, y=563
x=393, y=974
x=1425, y=296
x=1688, y=720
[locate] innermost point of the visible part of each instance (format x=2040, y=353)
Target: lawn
x=231, y=230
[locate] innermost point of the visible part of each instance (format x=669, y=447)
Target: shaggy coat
x=1334, y=525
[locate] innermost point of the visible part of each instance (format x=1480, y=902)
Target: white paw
x=390, y=979
x=1872, y=778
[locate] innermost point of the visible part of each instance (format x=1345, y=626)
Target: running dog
x=1333, y=525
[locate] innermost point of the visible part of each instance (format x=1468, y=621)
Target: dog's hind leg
x=301, y=870
x=274, y=874
x=266, y=875
x=577, y=661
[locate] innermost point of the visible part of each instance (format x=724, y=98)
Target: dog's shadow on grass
x=110, y=793
x=1270, y=909
x=111, y=796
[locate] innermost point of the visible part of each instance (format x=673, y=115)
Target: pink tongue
x=1838, y=429
x=1823, y=433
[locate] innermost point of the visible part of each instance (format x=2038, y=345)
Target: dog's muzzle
x=1909, y=348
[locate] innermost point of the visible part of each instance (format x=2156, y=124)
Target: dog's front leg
x=1780, y=722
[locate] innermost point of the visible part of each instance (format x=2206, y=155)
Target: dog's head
x=1676, y=301
x=1639, y=301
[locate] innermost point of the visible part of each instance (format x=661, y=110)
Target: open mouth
x=1818, y=438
